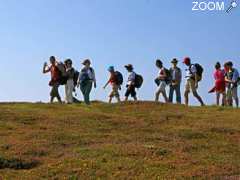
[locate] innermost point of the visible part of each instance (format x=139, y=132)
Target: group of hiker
x=63, y=73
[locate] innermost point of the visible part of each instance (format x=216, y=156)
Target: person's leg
x=66, y=93
x=71, y=88
x=164, y=91
x=186, y=93
x=195, y=93
x=116, y=93
x=127, y=94
x=133, y=93
x=171, y=91
x=87, y=93
x=159, y=91
x=52, y=95
x=217, y=98
x=224, y=99
x=235, y=96
x=84, y=88
x=55, y=93
x=111, y=95
x=178, y=94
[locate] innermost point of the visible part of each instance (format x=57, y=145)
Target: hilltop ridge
x=141, y=140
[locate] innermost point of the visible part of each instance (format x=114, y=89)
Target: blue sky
x=109, y=32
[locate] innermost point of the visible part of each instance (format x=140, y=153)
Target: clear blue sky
x=110, y=32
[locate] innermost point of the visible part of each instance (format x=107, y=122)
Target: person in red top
x=219, y=76
x=55, y=77
x=113, y=81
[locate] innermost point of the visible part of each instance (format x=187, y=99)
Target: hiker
x=176, y=78
x=219, y=89
x=55, y=78
x=114, y=80
x=232, y=79
x=193, y=76
x=161, y=81
x=69, y=86
x=131, y=88
x=86, y=80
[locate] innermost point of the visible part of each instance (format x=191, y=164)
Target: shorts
x=190, y=85
x=114, y=92
x=130, y=91
x=162, y=86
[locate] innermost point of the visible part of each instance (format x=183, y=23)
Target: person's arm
x=180, y=76
x=46, y=69
x=104, y=87
x=79, y=78
x=94, y=78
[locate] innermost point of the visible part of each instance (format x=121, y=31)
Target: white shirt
x=131, y=77
x=190, y=72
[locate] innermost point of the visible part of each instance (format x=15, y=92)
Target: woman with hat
x=176, y=78
x=113, y=81
x=131, y=89
x=162, y=77
x=69, y=87
x=86, y=80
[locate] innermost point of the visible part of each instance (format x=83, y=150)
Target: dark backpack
x=169, y=76
x=138, y=81
x=200, y=70
x=119, y=78
x=75, y=77
x=62, y=74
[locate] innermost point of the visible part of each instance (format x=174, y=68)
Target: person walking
x=55, y=78
x=232, y=79
x=86, y=80
x=69, y=87
x=193, y=76
x=220, y=88
x=176, y=78
x=162, y=78
x=113, y=80
x=131, y=88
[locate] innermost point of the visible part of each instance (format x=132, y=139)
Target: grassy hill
x=127, y=141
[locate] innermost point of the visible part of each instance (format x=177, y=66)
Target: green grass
x=122, y=141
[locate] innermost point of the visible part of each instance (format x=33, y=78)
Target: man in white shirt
x=192, y=79
x=131, y=89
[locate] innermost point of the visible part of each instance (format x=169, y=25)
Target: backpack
x=138, y=81
x=75, y=77
x=62, y=73
x=200, y=70
x=169, y=76
x=84, y=76
x=119, y=78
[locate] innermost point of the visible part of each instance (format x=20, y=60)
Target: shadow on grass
x=17, y=164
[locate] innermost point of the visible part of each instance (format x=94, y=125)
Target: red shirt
x=113, y=79
x=55, y=75
x=219, y=76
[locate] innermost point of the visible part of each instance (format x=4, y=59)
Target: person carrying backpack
x=175, y=84
x=69, y=87
x=116, y=81
x=86, y=80
x=162, y=81
x=55, y=78
x=193, y=76
x=131, y=85
x=232, y=80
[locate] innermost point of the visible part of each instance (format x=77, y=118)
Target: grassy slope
x=142, y=140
